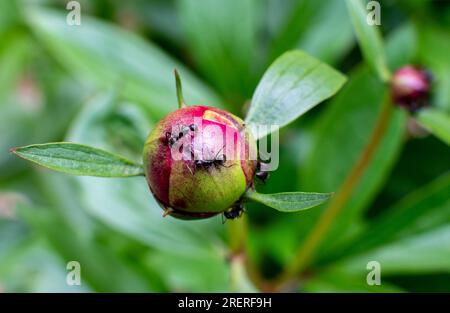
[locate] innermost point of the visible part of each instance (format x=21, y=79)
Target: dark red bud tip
x=410, y=87
x=13, y=150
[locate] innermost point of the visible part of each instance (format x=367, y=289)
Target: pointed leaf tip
x=179, y=87
x=290, y=201
x=77, y=159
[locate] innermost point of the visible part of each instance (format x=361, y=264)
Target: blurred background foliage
x=106, y=82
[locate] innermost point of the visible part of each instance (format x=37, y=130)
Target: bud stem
x=306, y=253
x=181, y=103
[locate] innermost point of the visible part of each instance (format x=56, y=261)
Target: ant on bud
x=235, y=211
x=173, y=138
x=262, y=171
x=215, y=162
x=207, y=164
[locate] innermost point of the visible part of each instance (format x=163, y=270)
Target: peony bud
x=410, y=88
x=199, y=161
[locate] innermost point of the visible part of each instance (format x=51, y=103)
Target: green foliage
x=79, y=159
x=292, y=85
x=422, y=253
x=289, y=201
x=369, y=38
x=108, y=56
x=220, y=33
x=437, y=122
x=107, y=82
x=422, y=210
x=337, y=147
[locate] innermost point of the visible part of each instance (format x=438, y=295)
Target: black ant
x=216, y=162
x=261, y=172
x=173, y=138
x=207, y=164
x=235, y=211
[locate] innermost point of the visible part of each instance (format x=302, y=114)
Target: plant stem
x=312, y=242
x=181, y=103
x=237, y=236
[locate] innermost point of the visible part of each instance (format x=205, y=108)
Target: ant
x=216, y=162
x=234, y=212
x=173, y=138
x=207, y=164
x=261, y=172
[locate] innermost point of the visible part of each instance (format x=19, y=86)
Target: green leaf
x=97, y=260
x=424, y=253
x=13, y=60
x=292, y=85
x=193, y=272
x=221, y=36
x=33, y=267
x=9, y=16
x=335, y=281
x=295, y=20
x=329, y=35
x=79, y=159
x=437, y=122
x=369, y=39
x=289, y=201
x=402, y=46
x=423, y=209
x=434, y=44
x=106, y=55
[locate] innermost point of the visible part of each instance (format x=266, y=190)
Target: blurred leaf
x=437, y=122
x=427, y=282
x=422, y=210
x=191, y=273
x=240, y=280
x=221, y=36
x=292, y=85
x=338, y=146
x=71, y=232
x=369, y=39
x=13, y=60
x=97, y=262
x=329, y=35
x=9, y=16
x=33, y=267
x=160, y=17
x=402, y=45
x=12, y=233
x=277, y=240
x=36, y=99
x=107, y=55
x=297, y=21
x=424, y=253
x=106, y=121
x=334, y=281
x=340, y=135
x=77, y=159
x=14, y=119
x=434, y=44
x=289, y=201
x=432, y=153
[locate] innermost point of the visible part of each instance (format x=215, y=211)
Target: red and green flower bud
x=410, y=88
x=199, y=161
